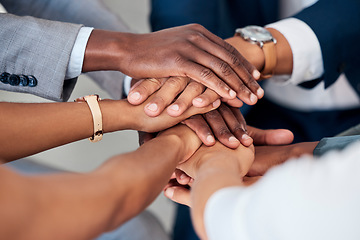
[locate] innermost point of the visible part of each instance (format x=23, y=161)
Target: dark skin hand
x=188, y=51
x=267, y=157
x=226, y=124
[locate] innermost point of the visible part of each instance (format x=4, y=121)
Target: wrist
x=284, y=57
x=105, y=51
x=117, y=115
x=250, y=51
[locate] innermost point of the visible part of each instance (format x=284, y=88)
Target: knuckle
x=153, y=81
x=238, y=129
x=212, y=115
x=206, y=74
x=174, y=82
x=225, y=68
x=223, y=131
x=235, y=61
x=195, y=37
x=196, y=26
x=196, y=87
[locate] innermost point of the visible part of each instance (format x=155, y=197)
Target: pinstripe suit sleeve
x=37, y=47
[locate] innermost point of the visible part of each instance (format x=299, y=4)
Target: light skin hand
x=153, y=124
x=176, y=94
x=212, y=168
x=110, y=197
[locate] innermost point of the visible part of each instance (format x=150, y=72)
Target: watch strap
x=269, y=50
x=93, y=103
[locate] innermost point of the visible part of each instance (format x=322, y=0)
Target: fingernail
x=169, y=192
x=260, y=93
x=200, y=100
x=233, y=139
x=135, y=96
x=245, y=137
x=182, y=176
x=256, y=74
x=253, y=98
x=152, y=107
x=175, y=107
x=210, y=139
x=216, y=103
x=232, y=93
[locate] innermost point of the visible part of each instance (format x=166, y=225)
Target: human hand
x=219, y=154
x=189, y=142
x=189, y=51
x=145, y=123
x=179, y=189
x=226, y=123
x=270, y=136
x=176, y=94
x=267, y=157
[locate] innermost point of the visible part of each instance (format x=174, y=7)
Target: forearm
x=34, y=127
x=85, y=205
x=212, y=177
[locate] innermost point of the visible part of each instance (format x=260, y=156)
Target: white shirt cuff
x=224, y=214
x=77, y=55
x=307, y=57
x=127, y=85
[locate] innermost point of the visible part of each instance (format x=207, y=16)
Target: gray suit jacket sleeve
x=37, y=47
x=91, y=13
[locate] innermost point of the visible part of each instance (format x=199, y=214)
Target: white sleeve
x=78, y=52
x=303, y=199
x=307, y=57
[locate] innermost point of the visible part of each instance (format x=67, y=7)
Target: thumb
x=178, y=194
x=270, y=137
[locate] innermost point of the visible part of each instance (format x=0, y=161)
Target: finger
x=245, y=70
x=198, y=124
x=208, y=97
x=195, y=110
x=237, y=103
x=165, y=95
x=250, y=180
x=220, y=129
x=184, y=101
x=178, y=194
x=217, y=71
x=270, y=137
x=236, y=123
x=182, y=177
x=144, y=137
x=143, y=89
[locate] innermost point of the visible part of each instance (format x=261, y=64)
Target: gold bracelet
x=93, y=103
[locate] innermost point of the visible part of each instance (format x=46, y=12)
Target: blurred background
x=83, y=156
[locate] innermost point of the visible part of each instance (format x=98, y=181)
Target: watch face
x=255, y=33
